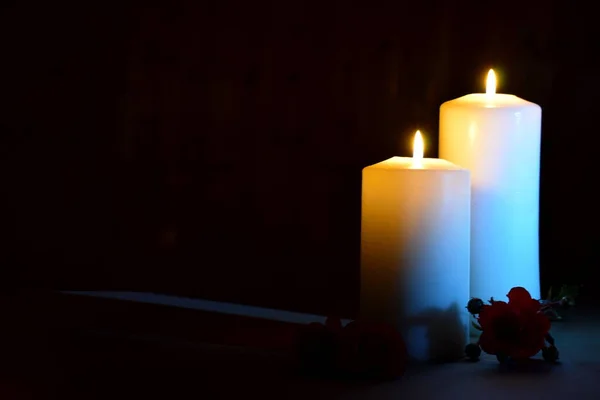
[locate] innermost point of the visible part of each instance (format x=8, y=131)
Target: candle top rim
x=497, y=100
x=397, y=163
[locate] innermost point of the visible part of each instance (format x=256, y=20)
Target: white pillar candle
x=415, y=251
x=497, y=137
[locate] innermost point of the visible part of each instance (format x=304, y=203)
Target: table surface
x=104, y=365
x=230, y=372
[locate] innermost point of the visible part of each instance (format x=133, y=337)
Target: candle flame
x=490, y=85
x=418, y=148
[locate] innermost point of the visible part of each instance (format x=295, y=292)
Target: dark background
x=214, y=148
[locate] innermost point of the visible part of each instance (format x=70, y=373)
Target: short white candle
x=497, y=137
x=415, y=251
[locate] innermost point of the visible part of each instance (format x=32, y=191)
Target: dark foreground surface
x=59, y=346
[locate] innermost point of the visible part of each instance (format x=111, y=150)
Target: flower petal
x=519, y=297
x=487, y=343
x=490, y=312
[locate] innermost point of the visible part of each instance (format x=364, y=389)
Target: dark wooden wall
x=214, y=148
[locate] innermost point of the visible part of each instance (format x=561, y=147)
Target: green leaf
x=569, y=292
x=476, y=326
x=563, y=292
x=549, y=298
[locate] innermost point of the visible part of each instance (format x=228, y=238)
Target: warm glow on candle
x=418, y=148
x=490, y=85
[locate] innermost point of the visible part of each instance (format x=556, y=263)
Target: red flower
x=516, y=329
x=372, y=350
x=316, y=347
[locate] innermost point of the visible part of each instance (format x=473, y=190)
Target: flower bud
x=473, y=351
x=475, y=305
x=550, y=353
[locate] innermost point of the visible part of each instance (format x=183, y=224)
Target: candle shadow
x=445, y=333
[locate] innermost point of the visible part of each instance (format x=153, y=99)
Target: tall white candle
x=497, y=137
x=415, y=251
